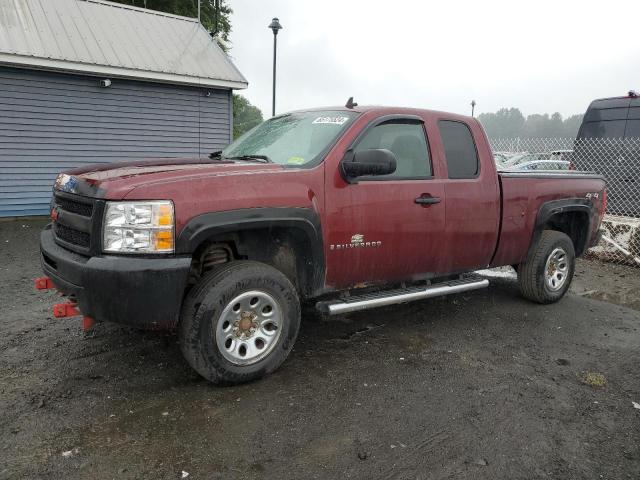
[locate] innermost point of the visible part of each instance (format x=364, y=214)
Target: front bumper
x=140, y=292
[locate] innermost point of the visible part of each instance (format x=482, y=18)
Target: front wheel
x=239, y=322
x=546, y=275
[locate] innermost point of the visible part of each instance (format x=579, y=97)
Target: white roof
x=113, y=40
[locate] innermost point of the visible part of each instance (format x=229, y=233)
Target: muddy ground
x=480, y=385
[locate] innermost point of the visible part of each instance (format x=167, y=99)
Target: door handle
x=424, y=200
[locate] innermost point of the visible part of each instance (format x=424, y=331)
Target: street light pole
x=473, y=106
x=275, y=27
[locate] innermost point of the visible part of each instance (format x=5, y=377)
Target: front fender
x=206, y=226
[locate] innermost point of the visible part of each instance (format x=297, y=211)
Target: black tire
x=205, y=304
x=531, y=273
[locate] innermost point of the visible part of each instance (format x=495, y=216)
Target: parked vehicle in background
x=616, y=119
x=350, y=208
x=517, y=158
x=502, y=157
x=537, y=161
x=560, y=154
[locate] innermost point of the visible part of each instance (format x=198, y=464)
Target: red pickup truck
x=350, y=208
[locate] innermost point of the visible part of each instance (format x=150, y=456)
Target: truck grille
x=74, y=219
x=73, y=206
x=70, y=235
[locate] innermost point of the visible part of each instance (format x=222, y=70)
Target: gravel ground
x=479, y=385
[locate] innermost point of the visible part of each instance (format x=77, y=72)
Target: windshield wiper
x=264, y=158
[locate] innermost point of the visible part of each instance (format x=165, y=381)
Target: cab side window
x=459, y=149
x=408, y=143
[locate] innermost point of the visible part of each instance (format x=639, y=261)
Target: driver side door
x=387, y=228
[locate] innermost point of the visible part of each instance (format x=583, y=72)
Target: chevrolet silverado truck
x=343, y=208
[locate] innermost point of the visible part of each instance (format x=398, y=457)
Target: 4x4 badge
x=357, y=241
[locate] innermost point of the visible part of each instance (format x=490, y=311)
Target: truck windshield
x=291, y=139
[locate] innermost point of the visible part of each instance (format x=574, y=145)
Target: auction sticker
x=296, y=161
x=331, y=120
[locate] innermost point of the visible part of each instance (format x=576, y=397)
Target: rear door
x=387, y=228
x=473, y=196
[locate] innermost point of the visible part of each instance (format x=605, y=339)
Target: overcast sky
x=542, y=56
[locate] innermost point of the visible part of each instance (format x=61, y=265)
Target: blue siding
x=50, y=122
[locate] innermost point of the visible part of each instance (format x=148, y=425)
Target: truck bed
x=523, y=195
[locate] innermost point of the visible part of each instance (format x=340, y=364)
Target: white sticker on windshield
x=331, y=120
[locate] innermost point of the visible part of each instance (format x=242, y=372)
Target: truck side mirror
x=376, y=161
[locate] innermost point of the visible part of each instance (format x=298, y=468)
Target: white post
x=199, y=11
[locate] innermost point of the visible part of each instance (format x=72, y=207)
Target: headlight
x=139, y=227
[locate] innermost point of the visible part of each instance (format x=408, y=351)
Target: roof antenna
x=350, y=103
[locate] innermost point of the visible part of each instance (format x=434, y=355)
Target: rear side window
x=607, y=129
x=634, y=113
x=633, y=129
x=459, y=149
x=611, y=118
x=606, y=114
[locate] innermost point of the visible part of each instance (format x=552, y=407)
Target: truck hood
x=115, y=180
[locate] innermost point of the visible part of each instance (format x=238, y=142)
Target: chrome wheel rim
x=249, y=327
x=556, y=269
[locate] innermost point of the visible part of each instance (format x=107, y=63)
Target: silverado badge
x=357, y=241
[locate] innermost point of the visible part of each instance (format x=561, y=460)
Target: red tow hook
x=43, y=283
x=70, y=309
x=87, y=323
x=64, y=310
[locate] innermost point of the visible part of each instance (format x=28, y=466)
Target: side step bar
x=400, y=295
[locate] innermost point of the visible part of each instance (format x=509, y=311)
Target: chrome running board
x=400, y=295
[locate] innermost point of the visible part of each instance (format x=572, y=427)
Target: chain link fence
x=618, y=160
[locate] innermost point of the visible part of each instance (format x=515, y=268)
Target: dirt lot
x=480, y=385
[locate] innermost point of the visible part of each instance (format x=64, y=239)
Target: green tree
x=245, y=115
x=505, y=123
x=571, y=125
x=535, y=126
x=214, y=14
x=555, y=127
x=510, y=123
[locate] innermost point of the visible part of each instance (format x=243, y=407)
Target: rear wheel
x=546, y=275
x=239, y=322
